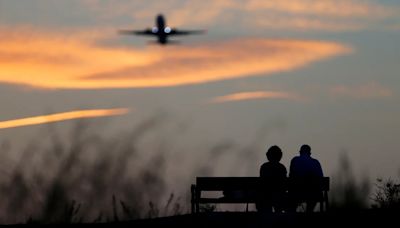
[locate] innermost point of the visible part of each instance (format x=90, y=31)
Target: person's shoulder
x=264, y=165
x=315, y=160
x=282, y=167
x=295, y=158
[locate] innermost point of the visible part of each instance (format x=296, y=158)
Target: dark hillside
x=362, y=218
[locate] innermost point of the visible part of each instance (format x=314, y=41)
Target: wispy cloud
x=54, y=61
x=327, y=15
x=331, y=15
x=393, y=27
x=305, y=23
x=44, y=119
x=325, y=8
x=365, y=91
x=254, y=95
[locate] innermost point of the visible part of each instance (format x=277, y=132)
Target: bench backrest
x=227, y=183
x=251, y=183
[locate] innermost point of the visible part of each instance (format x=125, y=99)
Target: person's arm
x=319, y=169
x=291, y=168
x=286, y=174
x=262, y=170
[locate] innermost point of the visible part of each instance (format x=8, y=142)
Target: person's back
x=273, y=190
x=305, y=172
x=305, y=166
x=273, y=170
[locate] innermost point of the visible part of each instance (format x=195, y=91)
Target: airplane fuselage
x=161, y=30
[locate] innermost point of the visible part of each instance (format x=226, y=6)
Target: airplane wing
x=185, y=32
x=146, y=32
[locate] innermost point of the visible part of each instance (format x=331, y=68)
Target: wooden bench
x=243, y=190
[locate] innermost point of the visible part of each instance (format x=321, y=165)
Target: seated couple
x=280, y=195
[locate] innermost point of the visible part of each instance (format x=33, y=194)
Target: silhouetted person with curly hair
x=272, y=194
x=305, y=173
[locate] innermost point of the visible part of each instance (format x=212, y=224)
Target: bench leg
x=321, y=205
x=197, y=201
x=193, y=200
x=326, y=201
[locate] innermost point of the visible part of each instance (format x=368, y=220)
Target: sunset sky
x=287, y=72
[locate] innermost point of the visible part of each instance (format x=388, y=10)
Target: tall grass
x=349, y=192
x=85, y=177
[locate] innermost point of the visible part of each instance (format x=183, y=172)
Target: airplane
x=161, y=31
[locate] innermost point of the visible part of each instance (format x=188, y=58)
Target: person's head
x=274, y=153
x=305, y=150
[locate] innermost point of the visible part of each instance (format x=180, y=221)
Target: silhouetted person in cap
x=272, y=193
x=305, y=173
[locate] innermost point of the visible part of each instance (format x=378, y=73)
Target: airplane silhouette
x=161, y=31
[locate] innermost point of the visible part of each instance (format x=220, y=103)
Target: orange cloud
x=254, y=95
x=369, y=90
x=53, y=61
x=81, y=114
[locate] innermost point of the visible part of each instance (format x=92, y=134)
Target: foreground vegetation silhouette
x=87, y=178
x=83, y=177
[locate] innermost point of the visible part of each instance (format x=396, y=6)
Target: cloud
x=326, y=15
x=56, y=61
x=325, y=8
x=80, y=114
x=242, y=96
x=304, y=23
x=366, y=91
x=393, y=27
